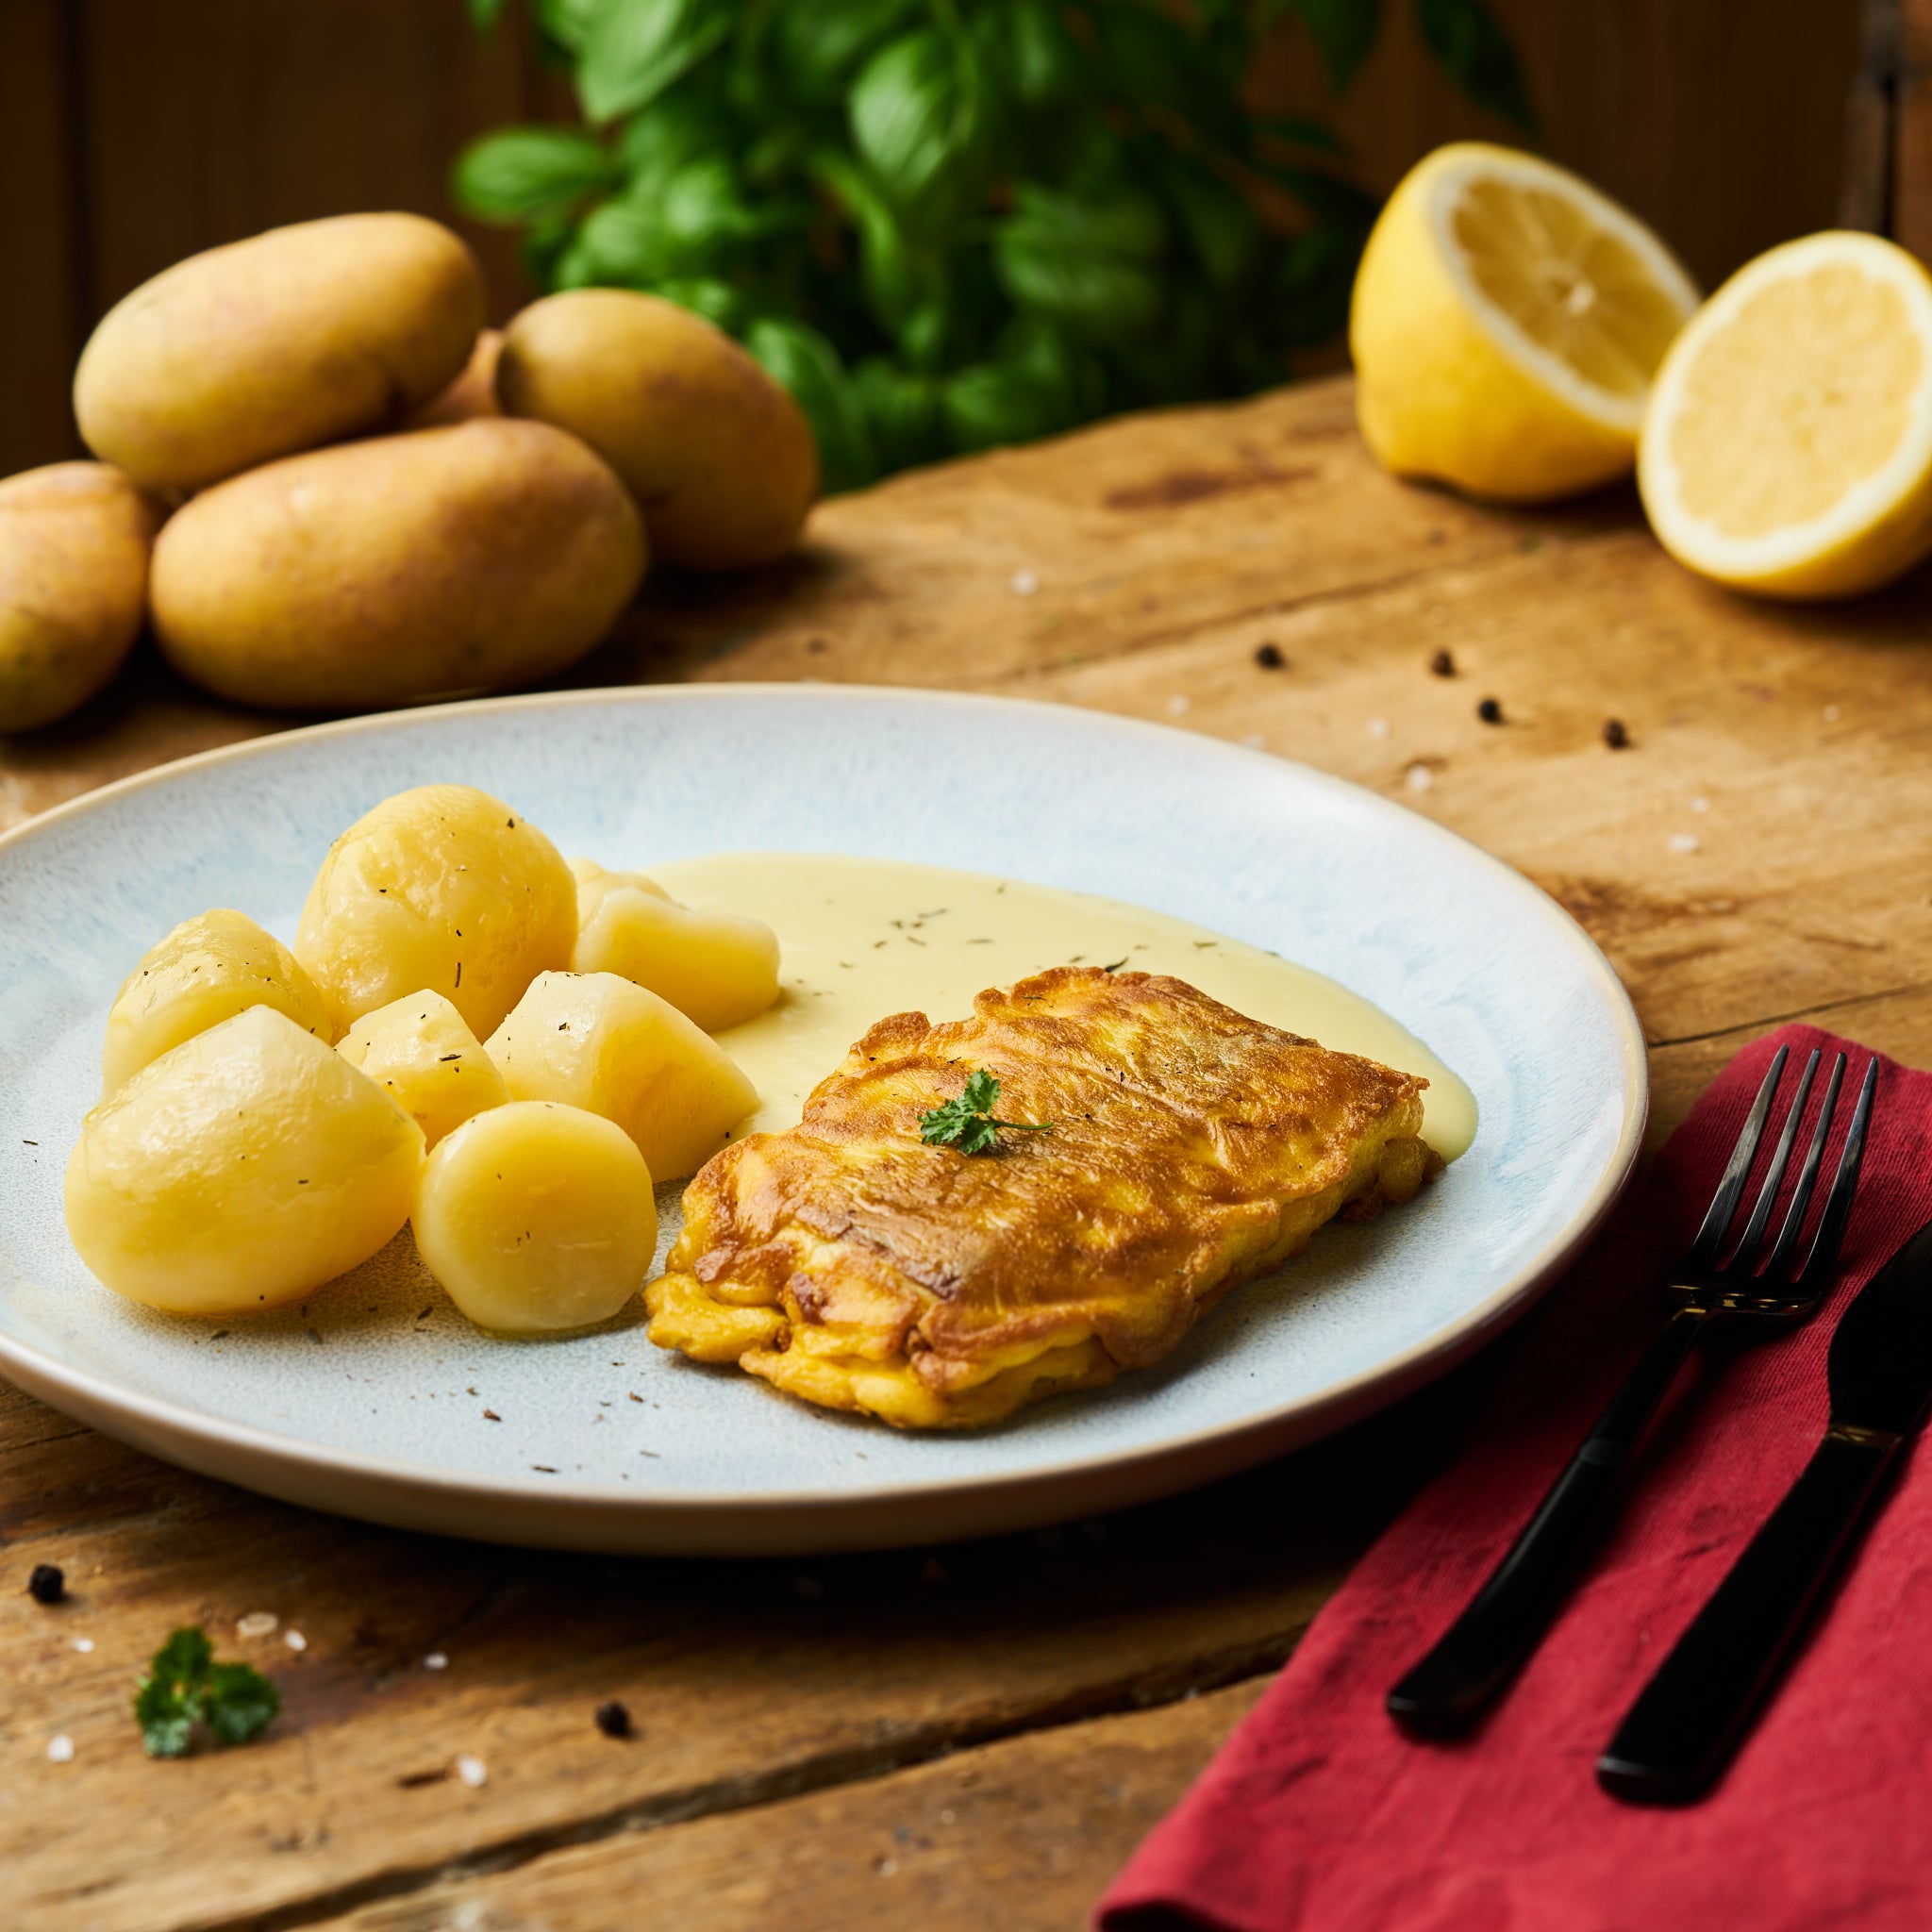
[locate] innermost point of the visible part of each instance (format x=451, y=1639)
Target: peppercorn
x=1614, y=734
x=1490, y=711
x=1442, y=664
x=48, y=1585
x=1269, y=656
x=613, y=1720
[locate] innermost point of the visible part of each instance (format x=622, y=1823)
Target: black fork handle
x=1692, y=1714
x=1488, y=1645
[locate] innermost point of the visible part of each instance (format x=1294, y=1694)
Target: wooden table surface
x=955, y=1739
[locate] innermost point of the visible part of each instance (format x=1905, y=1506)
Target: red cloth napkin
x=1319, y=1816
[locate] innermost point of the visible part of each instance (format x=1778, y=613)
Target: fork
x=1485, y=1647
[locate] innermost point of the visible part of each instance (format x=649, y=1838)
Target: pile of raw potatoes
x=271, y=1118
x=329, y=488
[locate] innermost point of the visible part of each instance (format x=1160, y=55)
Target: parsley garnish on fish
x=968, y=1122
x=184, y=1687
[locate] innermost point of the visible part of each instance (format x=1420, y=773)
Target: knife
x=1693, y=1713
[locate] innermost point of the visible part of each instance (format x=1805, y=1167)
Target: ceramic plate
x=363, y=1402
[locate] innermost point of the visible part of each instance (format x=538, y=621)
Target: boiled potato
x=718, y=456
x=206, y=970
x=401, y=568
x=292, y=339
x=419, y=1051
x=75, y=540
x=593, y=1041
x=244, y=1167
x=473, y=394
x=444, y=888
x=716, y=968
x=536, y=1217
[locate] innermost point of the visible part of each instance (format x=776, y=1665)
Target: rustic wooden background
x=133, y=132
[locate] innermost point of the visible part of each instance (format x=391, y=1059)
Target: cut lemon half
x=1507, y=322
x=1787, y=449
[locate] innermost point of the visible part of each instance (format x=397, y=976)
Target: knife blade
x=1691, y=1716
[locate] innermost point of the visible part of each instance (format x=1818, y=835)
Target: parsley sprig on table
x=184, y=1687
x=968, y=1122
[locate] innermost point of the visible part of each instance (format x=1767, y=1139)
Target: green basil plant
x=946, y=224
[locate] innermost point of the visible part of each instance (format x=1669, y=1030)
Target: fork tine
x=1838, y=1204
x=1808, y=1174
x=1724, y=1204
x=1746, y=1256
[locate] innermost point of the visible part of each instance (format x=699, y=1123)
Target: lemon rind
x=1879, y=526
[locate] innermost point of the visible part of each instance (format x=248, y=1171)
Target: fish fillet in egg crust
x=1191, y=1149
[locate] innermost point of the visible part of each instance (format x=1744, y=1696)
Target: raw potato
x=401, y=568
x=419, y=1051
x=244, y=1169
x=720, y=458
x=444, y=888
x=593, y=1041
x=716, y=968
x=536, y=1217
x=206, y=970
x=292, y=339
x=473, y=394
x=75, y=540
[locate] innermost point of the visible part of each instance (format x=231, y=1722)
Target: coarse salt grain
x=83, y=1644
x=1025, y=583
x=255, y=1624
x=1378, y=727
x=294, y=1639
x=59, y=1749
x=1831, y=714
x=1418, y=777
x=473, y=1770
x=1700, y=804
x=1255, y=741
x=436, y=1662
x=1178, y=705
x=1682, y=841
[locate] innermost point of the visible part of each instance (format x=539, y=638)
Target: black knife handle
x=1693, y=1713
x=1488, y=1643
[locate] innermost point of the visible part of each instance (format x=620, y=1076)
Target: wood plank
x=210, y=120
x=749, y=1682
x=1719, y=122
x=43, y=218
x=1912, y=174
x=1024, y=1835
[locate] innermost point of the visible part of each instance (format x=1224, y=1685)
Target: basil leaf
x=1155, y=62
x=994, y=403
x=1041, y=56
x=1085, y=261
x=676, y=127
x=1297, y=130
x=810, y=367
x=902, y=411
x=717, y=302
x=1475, y=53
x=484, y=15
x=1218, y=221
x=636, y=48
x=623, y=244
x=568, y=23
x=1343, y=31
x=922, y=117
x=818, y=44
x=524, y=173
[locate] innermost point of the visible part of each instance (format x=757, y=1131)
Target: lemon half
x=1507, y=322
x=1787, y=449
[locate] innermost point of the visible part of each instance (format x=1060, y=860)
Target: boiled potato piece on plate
x=243, y=1169
x=536, y=1217
x=720, y=458
x=716, y=968
x=593, y=1041
x=74, y=541
x=444, y=888
x=418, y=1050
x=206, y=970
x=397, y=569
x=293, y=338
